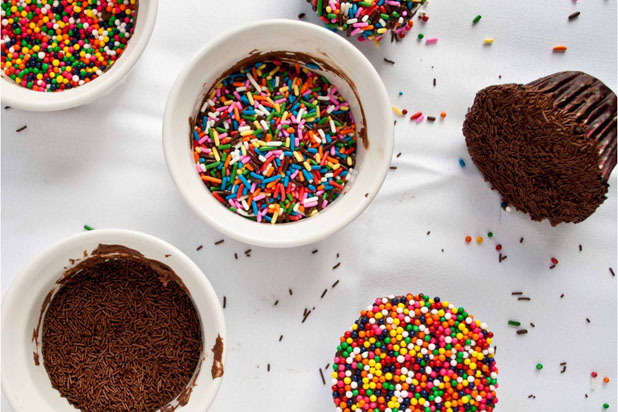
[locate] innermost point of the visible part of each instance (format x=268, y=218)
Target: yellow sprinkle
x=488, y=40
x=397, y=111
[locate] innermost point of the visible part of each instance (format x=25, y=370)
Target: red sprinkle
x=594, y=374
x=404, y=111
x=554, y=261
x=416, y=115
x=498, y=247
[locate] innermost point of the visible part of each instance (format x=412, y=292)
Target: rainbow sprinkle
x=413, y=353
x=275, y=142
x=368, y=19
x=61, y=44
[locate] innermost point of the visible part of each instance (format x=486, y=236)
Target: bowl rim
x=27, y=277
x=25, y=99
x=267, y=239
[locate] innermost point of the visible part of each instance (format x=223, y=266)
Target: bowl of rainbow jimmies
x=278, y=133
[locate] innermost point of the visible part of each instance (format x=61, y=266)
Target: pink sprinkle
x=431, y=40
x=420, y=118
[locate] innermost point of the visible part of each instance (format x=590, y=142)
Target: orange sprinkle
x=559, y=49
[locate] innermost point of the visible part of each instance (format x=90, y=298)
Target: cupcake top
x=547, y=147
x=368, y=20
x=415, y=353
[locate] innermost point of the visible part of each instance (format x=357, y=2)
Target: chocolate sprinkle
x=290, y=292
x=21, y=129
x=574, y=15
x=580, y=248
x=314, y=251
x=199, y=247
x=301, y=16
x=525, y=298
x=612, y=272
x=322, y=376
x=218, y=242
x=522, y=331
x=276, y=303
x=389, y=61
x=334, y=284
x=280, y=338
x=517, y=293
x=337, y=265
x=547, y=147
x=323, y=293
x=118, y=336
x=224, y=302
x=431, y=119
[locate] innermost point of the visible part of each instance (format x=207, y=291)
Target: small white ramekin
x=27, y=386
x=26, y=99
x=360, y=85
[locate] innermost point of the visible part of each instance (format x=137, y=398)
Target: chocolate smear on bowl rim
x=134, y=354
x=548, y=147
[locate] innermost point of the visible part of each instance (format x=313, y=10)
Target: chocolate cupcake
x=549, y=146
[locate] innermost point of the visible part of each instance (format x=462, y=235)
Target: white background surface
x=103, y=165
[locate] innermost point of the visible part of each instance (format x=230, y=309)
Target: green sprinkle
x=490, y=234
x=88, y=227
x=514, y=323
x=420, y=36
x=539, y=366
x=476, y=19
x=606, y=406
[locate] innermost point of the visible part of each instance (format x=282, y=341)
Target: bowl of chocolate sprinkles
x=112, y=320
x=346, y=78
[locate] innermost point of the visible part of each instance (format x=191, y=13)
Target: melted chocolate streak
x=166, y=274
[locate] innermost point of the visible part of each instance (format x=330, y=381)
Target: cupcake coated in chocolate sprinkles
x=548, y=147
x=121, y=334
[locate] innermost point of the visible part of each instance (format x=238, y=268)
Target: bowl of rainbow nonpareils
x=112, y=320
x=58, y=55
x=278, y=133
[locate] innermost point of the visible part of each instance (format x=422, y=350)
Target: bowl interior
x=23, y=98
x=343, y=65
x=27, y=385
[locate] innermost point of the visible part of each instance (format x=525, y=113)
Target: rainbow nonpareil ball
x=370, y=19
x=415, y=354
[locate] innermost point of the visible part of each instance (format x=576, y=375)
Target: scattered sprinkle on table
x=199, y=247
x=88, y=227
x=479, y=240
x=431, y=119
x=612, y=272
x=489, y=40
x=431, y=40
x=443, y=114
x=337, y=265
x=314, y=251
x=60, y=45
x=462, y=162
x=389, y=62
x=301, y=16
x=427, y=345
x=514, y=323
x=539, y=366
x=276, y=141
x=276, y=302
x=522, y=331
x=21, y=129
x=280, y=338
x=501, y=257
x=559, y=49
x=524, y=298
x=517, y=293
x=476, y=19
x=322, y=376
x=574, y=15
x=218, y=242
x=334, y=284
x=224, y=301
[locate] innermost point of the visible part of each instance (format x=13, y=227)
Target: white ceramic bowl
x=26, y=99
x=221, y=53
x=27, y=386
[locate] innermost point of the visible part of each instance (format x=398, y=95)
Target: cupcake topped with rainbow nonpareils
x=415, y=354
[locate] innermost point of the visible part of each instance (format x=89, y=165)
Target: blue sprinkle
x=462, y=163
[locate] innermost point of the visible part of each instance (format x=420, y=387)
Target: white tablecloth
x=103, y=165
